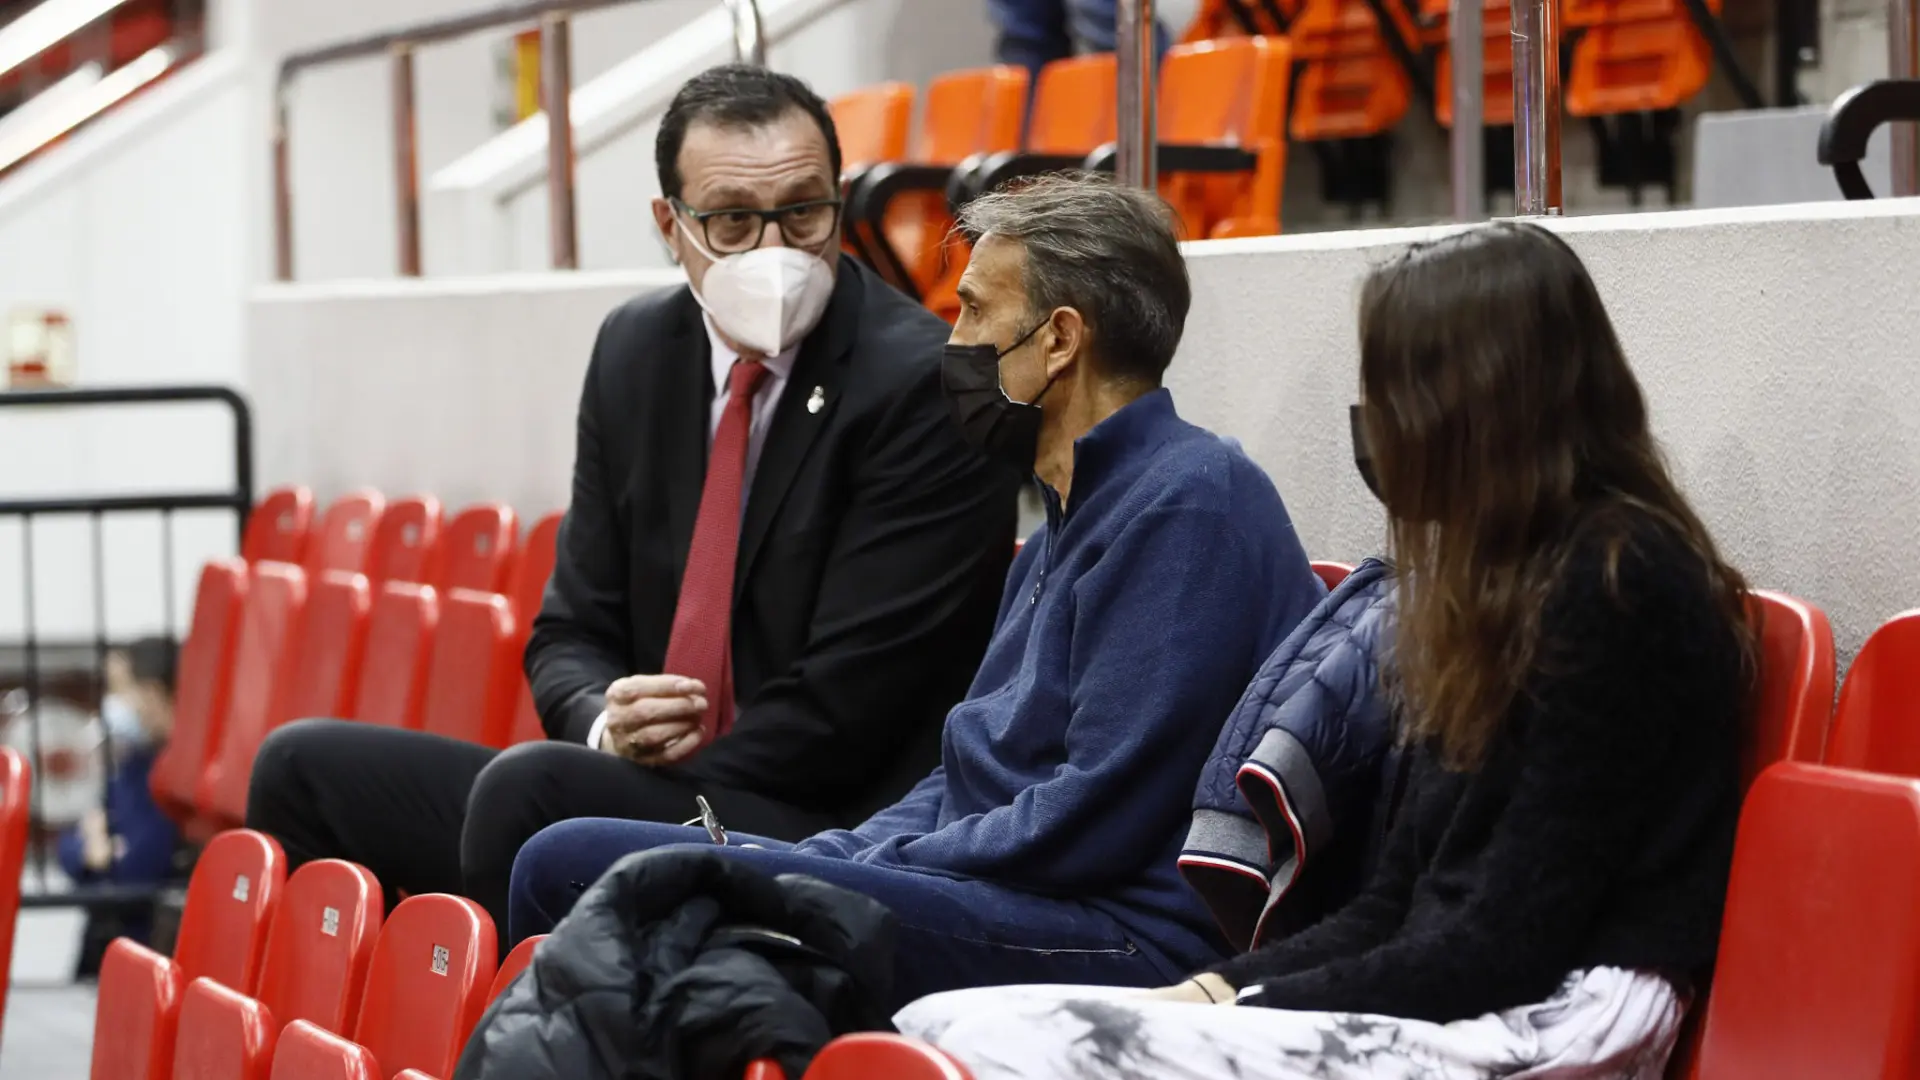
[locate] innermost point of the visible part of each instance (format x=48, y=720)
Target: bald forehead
x=758, y=166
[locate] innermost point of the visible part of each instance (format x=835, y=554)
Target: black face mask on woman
x=993, y=423
x=1363, y=452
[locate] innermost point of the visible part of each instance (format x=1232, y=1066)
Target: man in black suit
x=778, y=570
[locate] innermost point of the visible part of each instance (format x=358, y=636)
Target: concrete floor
x=48, y=1032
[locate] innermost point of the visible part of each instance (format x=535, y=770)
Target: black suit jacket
x=873, y=549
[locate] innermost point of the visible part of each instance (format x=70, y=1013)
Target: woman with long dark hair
x=1570, y=671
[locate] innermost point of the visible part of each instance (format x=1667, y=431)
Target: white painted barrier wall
x=1780, y=349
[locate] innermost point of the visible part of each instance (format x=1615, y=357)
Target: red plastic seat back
x=1331, y=573
x=1794, y=703
x=263, y=660
x=534, y=567
x=223, y=1035
x=515, y=963
x=1877, y=726
x=873, y=1054
x=428, y=984
x=230, y=901
x=345, y=533
x=201, y=678
x=324, y=677
x=307, y=1052
x=277, y=528
x=407, y=542
x=135, y=1014
x=475, y=672
x=1819, y=966
x=321, y=943
x=393, y=675
x=477, y=548
x=16, y=805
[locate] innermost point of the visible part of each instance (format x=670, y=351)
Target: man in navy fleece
x=1043, y=848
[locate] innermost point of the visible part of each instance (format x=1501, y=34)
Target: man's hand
x=96, y=846
x=654, y=719
x=1205, y=988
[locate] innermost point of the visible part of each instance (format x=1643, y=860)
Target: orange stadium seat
x=407, y=542
x=1351, y=85
x=428, y=983
x=223, y=1035
x=201, y=678
x=345, y=533
x=1496, y=62
x=873, y=124
x=393, y=674
x=1819, y=965
x=1877, y=725
x=321, y=944
x=16, y=813
x=267, y=653
x=473, y=679
x=307, y=1052
x=477, y=549
x=324, y=679
x=277, y=528
x=1236, y=18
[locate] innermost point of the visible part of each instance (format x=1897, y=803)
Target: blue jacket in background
x=1131, y=623
x=1288, y=809
x=133, y=816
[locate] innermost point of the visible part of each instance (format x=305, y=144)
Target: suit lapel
x=686, y=380
x=798, y=419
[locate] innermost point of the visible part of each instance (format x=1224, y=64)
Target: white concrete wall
x=1777, y=346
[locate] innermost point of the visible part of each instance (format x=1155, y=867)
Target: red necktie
x=701, y=646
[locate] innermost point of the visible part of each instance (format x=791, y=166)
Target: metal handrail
x=556, y=89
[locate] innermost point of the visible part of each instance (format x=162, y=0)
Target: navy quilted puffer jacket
x=1289, y=807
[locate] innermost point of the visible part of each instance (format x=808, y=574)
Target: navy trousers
x=1034, y=32
x=954, y=933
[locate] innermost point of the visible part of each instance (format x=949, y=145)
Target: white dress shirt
x=764, y=401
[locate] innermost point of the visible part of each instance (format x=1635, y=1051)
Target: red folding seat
x=1877, y=726
x=477, y=549
x=223, y=929
x=321, y=944
x=407, y=543
x=1819, y=966
x=325, y=677
x=873, y=1054
x=1332, y=573
x=16, y=804
x=533, y=567
x=267, y=653
x=345, y=533
x=428, y=984
x=277, y=528
x=223, y=1035
x=393, y=675
x=474, y=679
x=308, y=1052
x=515, y=963
x=201, y=677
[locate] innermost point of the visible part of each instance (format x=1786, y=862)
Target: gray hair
x=1108, y=251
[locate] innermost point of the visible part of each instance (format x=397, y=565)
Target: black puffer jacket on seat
x=682, y=964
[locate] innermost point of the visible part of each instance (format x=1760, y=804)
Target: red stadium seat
x=393, y=675
x=1795, y=700
x=223, y=930
x=223, y=1035
x=201, y=677
x=473, y=681
x=1877, y=726
x=477, y=549
x=871, y=1055
x=307, y=1052
x=413, y=1074
x=407, y=542
x=16, y=811
x=526, y=718
x=515, y=963
x=324, y=679
x=267, y=653
x=428, y=983
x=277, y=528
x=345, y=534
x=1819, y=966
x=1332, y=573
x=533, y=567
x=321, y=943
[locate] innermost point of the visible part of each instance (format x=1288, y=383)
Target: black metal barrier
x=238, y=498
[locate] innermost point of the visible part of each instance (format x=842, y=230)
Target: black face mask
x=1363, y=453
x=993, y=423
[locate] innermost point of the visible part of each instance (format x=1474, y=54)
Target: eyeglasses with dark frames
x=734, y=230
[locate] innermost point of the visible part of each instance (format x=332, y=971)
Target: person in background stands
x=129, y=840
x=1573, y=661
x=1034, y=33
x=778, y=569
x=1167, y=569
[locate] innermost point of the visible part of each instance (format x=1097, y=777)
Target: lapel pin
x=818, y=400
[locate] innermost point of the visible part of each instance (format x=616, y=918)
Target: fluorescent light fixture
x=46, y=26
x=84, y=105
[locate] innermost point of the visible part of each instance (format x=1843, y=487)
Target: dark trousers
x=428, y=814
x=955, y=933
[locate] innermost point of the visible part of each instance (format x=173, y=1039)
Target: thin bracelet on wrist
x=1211, y=1000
